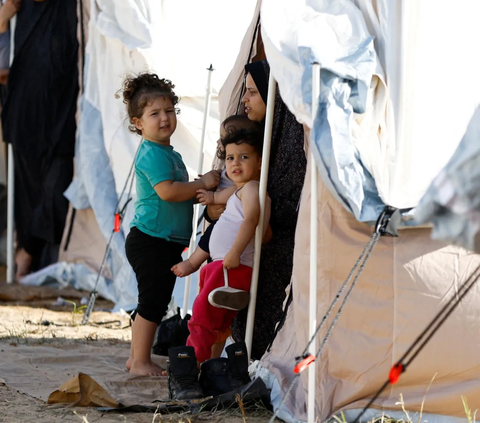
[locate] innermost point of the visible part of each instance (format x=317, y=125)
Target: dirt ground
x=29, y=316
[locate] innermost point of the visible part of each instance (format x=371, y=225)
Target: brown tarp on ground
x=402, y=287
x=39, y=370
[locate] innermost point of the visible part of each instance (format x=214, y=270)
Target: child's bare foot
x=183, y=268
x=129, y=363
x=146, y=369
x=23, y=260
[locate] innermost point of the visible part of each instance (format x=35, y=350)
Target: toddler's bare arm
x=218, y=197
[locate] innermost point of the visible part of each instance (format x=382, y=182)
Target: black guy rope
x=412, y=352
x=306, y=358
x=119, y=214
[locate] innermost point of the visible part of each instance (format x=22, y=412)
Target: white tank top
x=226, y=229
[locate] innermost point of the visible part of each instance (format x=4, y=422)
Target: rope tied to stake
x=383, y=227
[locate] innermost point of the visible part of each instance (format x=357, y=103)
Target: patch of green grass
x=76, y=310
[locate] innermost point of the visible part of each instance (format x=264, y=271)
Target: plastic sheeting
x=179, y=42
x=392, y=109
x=452, y=202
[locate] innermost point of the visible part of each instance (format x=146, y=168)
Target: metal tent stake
x=196, y=210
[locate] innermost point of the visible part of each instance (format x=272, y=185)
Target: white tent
x=393, y=108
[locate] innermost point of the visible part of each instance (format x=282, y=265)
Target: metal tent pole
x=267, y=140
x=313, y=244
x=11, y=182
x=196, y=209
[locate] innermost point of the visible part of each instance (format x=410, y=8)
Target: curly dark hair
x=236, y=122
x=251, y=137
x=140, y=90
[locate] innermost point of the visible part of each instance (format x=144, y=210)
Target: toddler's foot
x=129, y=363
x=146, y=369
x=183, y=268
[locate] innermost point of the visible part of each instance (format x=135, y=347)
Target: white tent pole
x=313, y=244
x=10, y=216
x=11, y=182
x=267, y=140
x=196, y=209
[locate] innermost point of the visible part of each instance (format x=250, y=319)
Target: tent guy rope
x=425, y=336
x=305, y=359
x=119, y=214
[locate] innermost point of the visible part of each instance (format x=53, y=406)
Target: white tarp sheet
x=452, y=203
x=395, y=98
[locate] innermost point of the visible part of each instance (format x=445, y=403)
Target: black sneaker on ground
x=183, y=374
x=238, y=364
x=214, y=378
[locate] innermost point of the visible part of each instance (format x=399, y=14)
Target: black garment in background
x=39, y=120
x=286, y=176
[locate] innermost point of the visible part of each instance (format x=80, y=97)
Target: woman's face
x=254, y=105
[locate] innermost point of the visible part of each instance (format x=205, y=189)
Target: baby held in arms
x=223, y=192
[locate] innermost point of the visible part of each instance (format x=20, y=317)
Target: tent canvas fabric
x=402, y=287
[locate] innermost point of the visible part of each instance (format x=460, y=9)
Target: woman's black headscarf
x=260, y=72
x=285, y=182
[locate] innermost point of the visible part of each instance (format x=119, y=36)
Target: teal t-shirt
x=155, y=217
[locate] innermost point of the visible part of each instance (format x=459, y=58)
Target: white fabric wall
x=423, y=89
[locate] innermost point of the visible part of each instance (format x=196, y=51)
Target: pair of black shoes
x=217, y=375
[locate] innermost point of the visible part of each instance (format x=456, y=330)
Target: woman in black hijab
x=285, y=181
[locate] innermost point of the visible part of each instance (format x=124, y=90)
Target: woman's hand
x=231, y=260
x=205, y=197
x=214, y=211
x=211, y=179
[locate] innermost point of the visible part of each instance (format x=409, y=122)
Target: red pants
x=207, y=321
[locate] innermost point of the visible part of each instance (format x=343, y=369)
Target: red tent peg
x=118, y=222
x=300, y=367
x=395, y=373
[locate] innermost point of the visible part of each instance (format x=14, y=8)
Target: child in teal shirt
x=162, y=225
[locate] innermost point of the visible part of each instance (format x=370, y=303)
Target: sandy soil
x=28, y=316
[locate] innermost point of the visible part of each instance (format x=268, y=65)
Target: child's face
x=243, y=163
x=158, y=121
